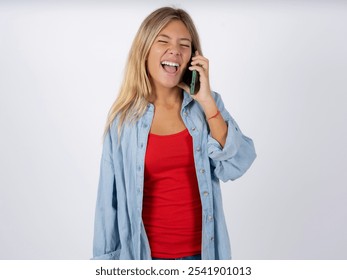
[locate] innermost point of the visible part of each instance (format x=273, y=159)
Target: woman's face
x=169, y=55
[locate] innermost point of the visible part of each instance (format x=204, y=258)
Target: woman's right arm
x=106, y=236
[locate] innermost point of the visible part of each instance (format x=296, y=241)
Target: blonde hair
x=135, y=90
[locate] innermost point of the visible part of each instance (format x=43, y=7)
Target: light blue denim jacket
x=119, y=232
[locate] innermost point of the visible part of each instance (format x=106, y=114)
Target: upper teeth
x=170, y=63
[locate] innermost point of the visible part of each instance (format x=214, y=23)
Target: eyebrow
x=166, y=36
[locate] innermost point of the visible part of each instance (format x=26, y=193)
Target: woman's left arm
x=217, y=125
x=233, y=159
x=231, y=152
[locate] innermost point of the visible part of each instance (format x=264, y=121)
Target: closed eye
x=162, y=41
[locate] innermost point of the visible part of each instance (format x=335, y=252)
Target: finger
x=200, y=59
x=199, y=67
x=201, y=63
x=198, y=56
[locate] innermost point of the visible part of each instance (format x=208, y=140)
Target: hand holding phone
x=190, y=80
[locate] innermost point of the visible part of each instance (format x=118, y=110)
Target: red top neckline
x=170, y=135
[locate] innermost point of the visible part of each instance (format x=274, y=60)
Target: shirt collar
x=187, y=98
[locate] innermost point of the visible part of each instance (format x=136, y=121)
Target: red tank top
x=172, y=212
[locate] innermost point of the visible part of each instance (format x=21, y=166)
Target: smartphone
x=191, y=78
x=193, y=81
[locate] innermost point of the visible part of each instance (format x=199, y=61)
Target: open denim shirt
x=119, y=232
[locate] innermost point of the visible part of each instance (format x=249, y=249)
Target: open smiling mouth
x=170, y=67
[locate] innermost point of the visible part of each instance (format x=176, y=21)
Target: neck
x=167, y=96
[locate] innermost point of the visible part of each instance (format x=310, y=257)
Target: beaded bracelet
x=218, y=112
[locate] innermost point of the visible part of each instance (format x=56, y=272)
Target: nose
x=174, y=50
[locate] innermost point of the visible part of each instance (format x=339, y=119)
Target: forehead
x=175, y=28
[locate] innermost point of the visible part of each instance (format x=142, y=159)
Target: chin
x=170, y=84
x=166, y=82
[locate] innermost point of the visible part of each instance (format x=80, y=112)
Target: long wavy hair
x=136, y=90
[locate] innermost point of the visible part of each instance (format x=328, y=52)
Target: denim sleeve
x=238, y=153
x=106, y=235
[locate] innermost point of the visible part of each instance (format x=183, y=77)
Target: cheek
x=152, y=62
x=153, y=56
x=186, y=62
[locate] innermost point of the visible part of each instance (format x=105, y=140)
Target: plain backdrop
x=281, y=68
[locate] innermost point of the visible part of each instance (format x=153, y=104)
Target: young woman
x=165, y=151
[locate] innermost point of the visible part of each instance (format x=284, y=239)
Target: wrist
x=208, y=103
x=208, y=118
x=210, y=108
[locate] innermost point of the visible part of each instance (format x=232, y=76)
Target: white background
x=281, y=67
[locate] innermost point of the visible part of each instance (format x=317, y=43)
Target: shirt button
x=212, y=238
x=202, y=171
x=205, y=193
x=210, y=218
x=185, y=114
x=198, y=149
x=193, y=129
x=145, y=125
x=141, y=145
